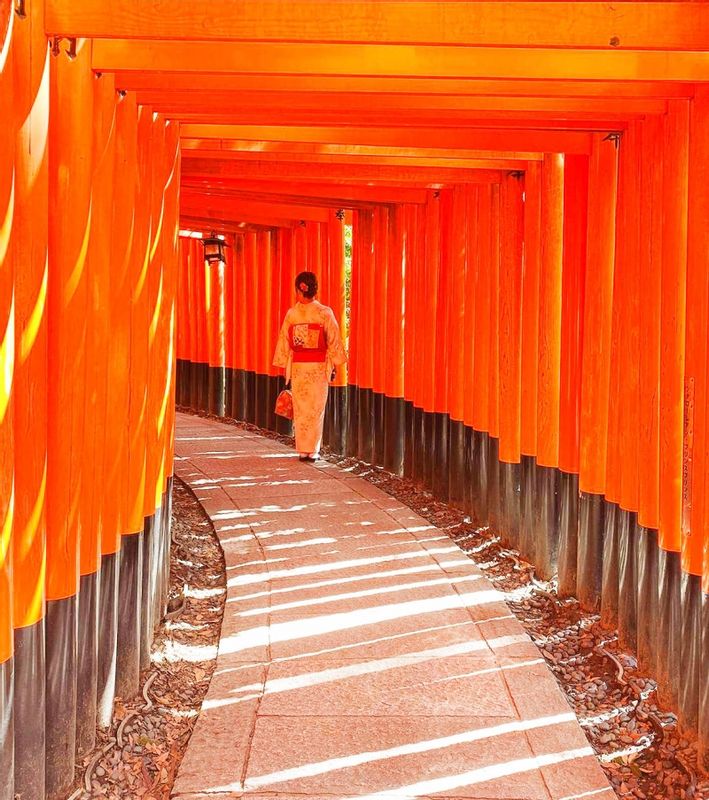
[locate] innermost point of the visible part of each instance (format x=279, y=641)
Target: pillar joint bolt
x=615, y=137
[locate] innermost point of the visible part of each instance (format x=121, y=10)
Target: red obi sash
x=307, y=340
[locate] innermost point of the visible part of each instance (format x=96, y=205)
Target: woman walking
x=309, y=347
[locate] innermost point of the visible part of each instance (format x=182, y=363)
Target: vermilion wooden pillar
x=132, y=551
x=7, y=359
x=572, y=305
x=548, y=387
x=468, y=348
x=115, y=522
x=481, y=355
x=694, y=698
x=530, y=351
x=672, y=395
x=695, y=528
x=29, y=230
x=377, y=316
x=510, y=352
x=595, y=369
x=648, y=444
x=96, y=501
x=70, y=172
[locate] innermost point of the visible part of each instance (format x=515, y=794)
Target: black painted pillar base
x=238, y=395
x=528, y=468
x=408, y=449
x=228, y=390
x=493, y=483
x=546, y=539
x=647, y=599
x=61, y=679
x=352, y=421
x=589, y=563
x=262, y=411
x=337, y=417
x=468, y=470
x=216, y=377
x=87, y=674
x=509, y=480
x=167, y=544
x=130, y=596
x=568, y=532
x=419, y=446
x=428, y=449
x=394, y=434
x=30, y=710
x=628, y=534
x=481, y=471
x=440, y=467
x=690, y=652
x=365, y=426
x=378, y=418
x=7, y=777
x=670, y=627
x=179, y=381
x=704, y=688
x=609, y=586
x=249, y=397
x=107, y=638
x=456, y=463
x=151, y=581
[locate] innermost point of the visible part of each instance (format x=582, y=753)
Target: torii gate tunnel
x=527, y=311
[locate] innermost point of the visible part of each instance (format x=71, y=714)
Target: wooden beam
x=403, y=119
x=637, y=25
x=484, y=139
x=392, y=161
x=229, y=205
x=310, y=193
x=174, y=102
x=330, y=173
x=110, y=55
x=238, y=146
x=207, y=224
x=409, y=86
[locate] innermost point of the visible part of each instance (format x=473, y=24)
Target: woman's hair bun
x=307, y=283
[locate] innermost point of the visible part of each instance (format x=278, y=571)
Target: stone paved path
x=362, y=653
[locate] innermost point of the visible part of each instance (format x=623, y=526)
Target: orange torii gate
x=527, y=184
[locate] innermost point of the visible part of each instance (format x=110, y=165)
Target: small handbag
x=284, y=404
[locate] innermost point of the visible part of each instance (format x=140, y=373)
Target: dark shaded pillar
x=7, y=777
x=546, y=538
x=456, y=463
x=628, y=534
x=690, y=652
x=670, y=626
x=589, y=561
x=61, y=681
x=568, y=532
x=394, y=434
x=87, y=673
x=30, y=710
x=609, y=586
x=440, y=468
x=509, y=477
x=647, y=599
x=107, y=638
x=130, y=594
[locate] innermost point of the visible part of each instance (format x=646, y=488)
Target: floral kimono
x=309, y=346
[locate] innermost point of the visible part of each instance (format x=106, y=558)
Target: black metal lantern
x=214, y=249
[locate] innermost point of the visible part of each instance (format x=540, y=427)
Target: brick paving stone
x=362, y=653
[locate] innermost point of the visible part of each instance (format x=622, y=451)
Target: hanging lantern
x=214, y=249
